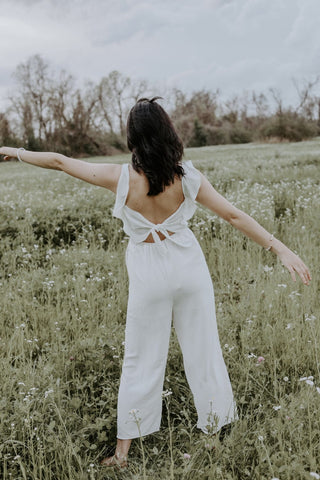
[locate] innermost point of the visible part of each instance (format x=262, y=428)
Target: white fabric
x=138, y=227
x=169, y=279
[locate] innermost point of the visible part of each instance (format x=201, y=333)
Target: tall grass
x=63, y=288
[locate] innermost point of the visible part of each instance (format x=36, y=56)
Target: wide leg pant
x=175, y=286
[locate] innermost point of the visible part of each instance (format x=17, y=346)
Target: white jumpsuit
x=169, y=281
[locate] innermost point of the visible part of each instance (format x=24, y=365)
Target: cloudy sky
x=234, y=45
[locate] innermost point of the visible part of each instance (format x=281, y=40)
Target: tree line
x=47, y=111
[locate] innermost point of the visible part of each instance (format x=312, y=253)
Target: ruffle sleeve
x=191, y=181
x=122, y=191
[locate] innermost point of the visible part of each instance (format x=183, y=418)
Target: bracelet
x=269, y=248
x=18, y=156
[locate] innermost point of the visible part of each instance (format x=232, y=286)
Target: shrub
x=288, y=126
x=217, y=136
x=239, y=134
x=199, y=137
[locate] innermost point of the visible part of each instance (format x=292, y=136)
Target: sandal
x=115, y=461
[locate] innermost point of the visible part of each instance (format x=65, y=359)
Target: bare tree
x=232, y=108
x=34, y=88
x=307, y=102
x=139, y=89
x=202, y=105
x=5, y=129
x=116, y=94
x=192, y=113
x=60, y=101
x=113, y=92
x=260, y=103
x=276, y=95
x=81, y=129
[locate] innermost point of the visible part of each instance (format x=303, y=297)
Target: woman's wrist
x=19, y=152
x=269, y=243
x=277, y=247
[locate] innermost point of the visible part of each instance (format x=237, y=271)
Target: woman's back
x=156, y=208
x=165, y=213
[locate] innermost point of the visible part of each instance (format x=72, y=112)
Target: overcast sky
x=234, y=45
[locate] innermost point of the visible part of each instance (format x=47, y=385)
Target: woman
x=168, y=275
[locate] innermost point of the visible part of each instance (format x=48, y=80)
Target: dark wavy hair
x=156, y=147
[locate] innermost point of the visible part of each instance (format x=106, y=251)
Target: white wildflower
x=48, y=392
x=135, y=414
x=266, y=268
x=252, y=355
x=166, y=393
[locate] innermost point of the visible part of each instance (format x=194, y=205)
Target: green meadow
x=63, y=290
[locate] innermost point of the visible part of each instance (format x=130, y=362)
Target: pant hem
x=137, y=436
x=205, y=430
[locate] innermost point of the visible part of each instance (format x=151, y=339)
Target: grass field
x=63, y=288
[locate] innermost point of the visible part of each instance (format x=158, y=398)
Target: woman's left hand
x=294, y=264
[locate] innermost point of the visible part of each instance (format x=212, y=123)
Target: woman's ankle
x=123, y=447
x=121, y=455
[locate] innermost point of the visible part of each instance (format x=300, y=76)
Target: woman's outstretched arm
x=210, y=198
x=101, y=174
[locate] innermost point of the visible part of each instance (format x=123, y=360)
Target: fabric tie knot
x=163, y=243
x=158, y=228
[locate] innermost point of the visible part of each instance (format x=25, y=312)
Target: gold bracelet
x=270, y=240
